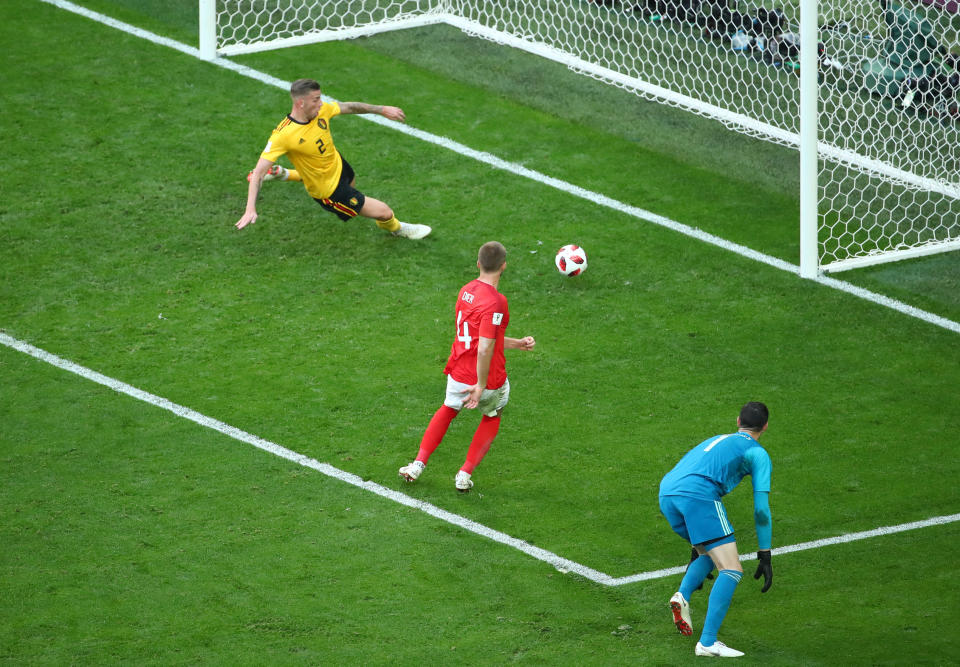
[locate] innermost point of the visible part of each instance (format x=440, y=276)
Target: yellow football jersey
x=310, y=148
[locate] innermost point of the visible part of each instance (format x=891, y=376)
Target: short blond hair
x=302, y=87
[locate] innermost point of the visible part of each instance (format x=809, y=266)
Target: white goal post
x=873, y=112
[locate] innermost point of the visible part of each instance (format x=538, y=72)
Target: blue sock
x=720, y=597
x=696, y=573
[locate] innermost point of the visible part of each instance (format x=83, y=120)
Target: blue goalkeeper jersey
x=713, y=468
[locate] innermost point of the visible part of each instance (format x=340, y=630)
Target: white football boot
x=681, y=614
x=717, y=650
x=410, y=230
x=463, y=482
x=411, y=471
x=274, y=173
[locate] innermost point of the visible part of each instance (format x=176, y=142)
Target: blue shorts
x=695, y=520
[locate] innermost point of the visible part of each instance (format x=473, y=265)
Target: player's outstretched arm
x=525, y=343
x=392, y=113
x=253, y=191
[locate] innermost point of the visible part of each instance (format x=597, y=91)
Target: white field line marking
x=558, y=562
x=121, y=387
x=803, y=546
x=498, y=163
x=519, y=170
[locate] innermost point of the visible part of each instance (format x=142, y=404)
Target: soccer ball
x=571, y=260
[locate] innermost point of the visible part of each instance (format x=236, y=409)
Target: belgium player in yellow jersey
x=304, y=137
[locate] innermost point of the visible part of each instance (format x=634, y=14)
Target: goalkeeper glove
x=765, y=568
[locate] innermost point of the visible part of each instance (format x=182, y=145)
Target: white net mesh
x=265, y=22
x=889, y=159
x=868, y=108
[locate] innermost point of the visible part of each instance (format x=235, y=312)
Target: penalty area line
x=519, y=170
x=560, y=563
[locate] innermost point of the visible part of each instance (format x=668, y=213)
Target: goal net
x=888, y=128
x=246, y=26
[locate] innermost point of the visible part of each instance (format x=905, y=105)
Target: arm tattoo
x=359, y=107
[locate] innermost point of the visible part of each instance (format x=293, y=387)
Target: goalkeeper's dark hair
x=301, y=87
x=491, y=257
x=754, y=416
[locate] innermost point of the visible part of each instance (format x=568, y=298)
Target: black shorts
x=345, y=202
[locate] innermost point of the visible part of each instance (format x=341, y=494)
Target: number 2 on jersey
x=464, y=337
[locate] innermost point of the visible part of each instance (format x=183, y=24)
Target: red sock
x=435, y=431
x=480, y=445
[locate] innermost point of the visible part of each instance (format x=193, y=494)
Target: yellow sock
x=390, y=225
x=292, y=175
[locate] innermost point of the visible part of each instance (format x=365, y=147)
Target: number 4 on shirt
x=464, y=337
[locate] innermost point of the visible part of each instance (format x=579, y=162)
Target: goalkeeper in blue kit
x=690, y=500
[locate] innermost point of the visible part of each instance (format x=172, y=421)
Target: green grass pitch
x=130, y=536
